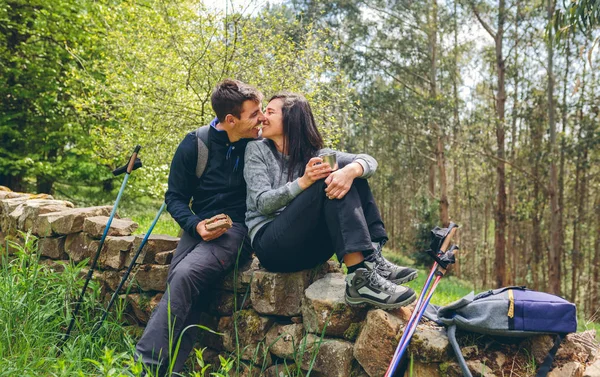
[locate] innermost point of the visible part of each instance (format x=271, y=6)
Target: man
x=203, y=257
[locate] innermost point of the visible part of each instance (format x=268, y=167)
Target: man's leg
x=203, y=266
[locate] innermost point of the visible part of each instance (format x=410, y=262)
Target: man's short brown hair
x=229, y=97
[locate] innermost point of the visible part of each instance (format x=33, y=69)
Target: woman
x=299, y=211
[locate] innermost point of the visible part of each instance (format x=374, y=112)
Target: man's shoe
x=388, y=270
x=367, y=286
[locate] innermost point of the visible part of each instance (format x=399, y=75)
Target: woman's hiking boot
x=365, y=285
x=388, y=270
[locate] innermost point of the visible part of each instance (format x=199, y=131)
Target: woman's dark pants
x=312, y=227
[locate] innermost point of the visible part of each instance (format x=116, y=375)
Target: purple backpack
x=509, y=312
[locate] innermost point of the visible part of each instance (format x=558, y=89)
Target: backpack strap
x=547, y=364
x=202, y=137
x=461, y=360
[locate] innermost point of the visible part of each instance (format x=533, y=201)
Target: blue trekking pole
x=133, y=164
x=131, y=265
x=441, y=261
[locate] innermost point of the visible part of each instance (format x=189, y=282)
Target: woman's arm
x=368, y=163
x=259, y=172
x=352, y=166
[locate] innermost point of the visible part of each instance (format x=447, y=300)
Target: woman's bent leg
x=387, y=269
x=371, y=211
x=311, y=227
x=297, y=239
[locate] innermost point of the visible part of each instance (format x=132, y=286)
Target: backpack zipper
x=511, y=305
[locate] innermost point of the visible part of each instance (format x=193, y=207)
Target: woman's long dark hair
x=301, y=138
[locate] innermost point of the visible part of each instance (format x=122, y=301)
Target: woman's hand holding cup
x=315, y=169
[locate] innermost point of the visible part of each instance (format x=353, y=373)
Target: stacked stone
x=276, y=322
x=66, y=233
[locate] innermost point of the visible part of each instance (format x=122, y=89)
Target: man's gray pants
x=196, y=267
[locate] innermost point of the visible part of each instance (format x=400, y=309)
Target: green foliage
x=85, y=81
x=40, y=133
x=428, y=219
x=161, y=61
x=578, y=14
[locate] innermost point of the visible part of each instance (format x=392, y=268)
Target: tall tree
x=554, y=253
x=500, y=213
x=439, y=144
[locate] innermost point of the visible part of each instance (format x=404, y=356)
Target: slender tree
x=500, y=211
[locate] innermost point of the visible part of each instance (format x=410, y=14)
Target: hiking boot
x=387, y=269
x=367, y=286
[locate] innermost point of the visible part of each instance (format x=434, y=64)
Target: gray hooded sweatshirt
x=269, y=192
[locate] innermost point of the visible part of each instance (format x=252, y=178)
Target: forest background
x=484, y=113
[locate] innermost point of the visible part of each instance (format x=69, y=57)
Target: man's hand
x=339, y=182
x=209, y=235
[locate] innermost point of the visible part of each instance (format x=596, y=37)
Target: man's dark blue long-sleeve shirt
x=221, y=189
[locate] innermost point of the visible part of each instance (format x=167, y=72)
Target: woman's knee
x=319, y=186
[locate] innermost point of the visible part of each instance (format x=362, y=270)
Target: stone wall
x=300, y=318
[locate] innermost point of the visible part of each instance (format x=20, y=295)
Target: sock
x=351, y=269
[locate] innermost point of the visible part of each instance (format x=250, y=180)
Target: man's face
x=250, y=119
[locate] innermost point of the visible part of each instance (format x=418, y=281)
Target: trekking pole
x=131, y=265
x=441, y=261
x=133, y=164
x=439, y=274
x=438, y=271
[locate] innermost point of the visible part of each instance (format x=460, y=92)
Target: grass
x=584, y=324
x=34, y=313
x=165, y=225
x=35, y=310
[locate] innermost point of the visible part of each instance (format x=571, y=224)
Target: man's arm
x=182, y=182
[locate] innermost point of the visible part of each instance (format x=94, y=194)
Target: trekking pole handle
x=132, y=159
x=441, y=270
x=448, y=239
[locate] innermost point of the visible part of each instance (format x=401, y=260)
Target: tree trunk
x=444, y=205
x=431, y=183
x=537, y=242
x=561, y=172
x=456, y=134
x=44, y=185
x=596, y=265
x=554, y=257
x=500, y=216
x=484, y=257
x=513, y=256
x=13, y=182
x=437, y=131
x=578, y=190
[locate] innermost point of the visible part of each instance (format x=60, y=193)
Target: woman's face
x=273, y=123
